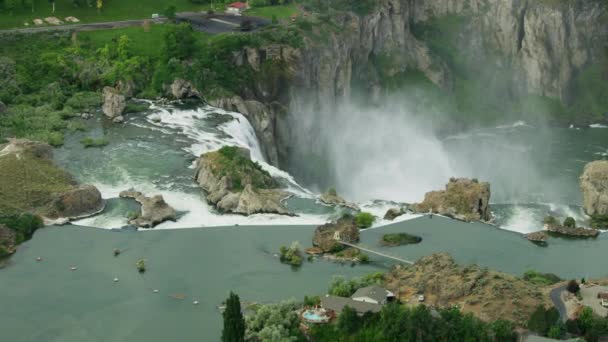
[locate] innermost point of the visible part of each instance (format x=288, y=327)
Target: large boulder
x=154, y=210
x=114, y=102
x=80, y=201
x=182, y=89
x=234, y=183
x=594, y=185
x=31, y=182
x=8, y=241
x=463, y=199
x=393, y=213
x=325, y=235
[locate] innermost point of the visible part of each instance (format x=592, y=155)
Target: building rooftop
x=376, y=293
x=337, y=304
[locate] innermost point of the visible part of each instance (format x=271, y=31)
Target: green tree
x=503, y=330
x=169, y=12
x=348, y=322
x=234, y=324
x=573, y=286
x=543, y=319
x=557, y=331
x=178, y=42
x=570, y=222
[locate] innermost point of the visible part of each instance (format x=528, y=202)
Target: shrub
x=573, y=286
x=364, y=219
x=91, y=142
x=569, y=222
x=543, y=319
x=550, y=220
x=541, y=278
x=599, y=221
x=399, y=239
x=291, y=255
x=312, y=300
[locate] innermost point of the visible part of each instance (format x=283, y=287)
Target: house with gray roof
x=366, y=299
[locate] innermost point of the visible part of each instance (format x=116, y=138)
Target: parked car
x=421, y=298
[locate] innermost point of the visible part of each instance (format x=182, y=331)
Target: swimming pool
x=315, y=316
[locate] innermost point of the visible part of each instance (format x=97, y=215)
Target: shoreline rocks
x=236, y=184
x=393, y=213
x=154, y=210
x=574, y=232
x=8, y=241
x=463, y=199
x=182, y=89
x=594, y=186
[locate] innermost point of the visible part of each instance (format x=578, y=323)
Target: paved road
x=200, y=21
x=556, y=298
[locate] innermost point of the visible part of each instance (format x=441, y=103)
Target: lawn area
x=145, y=43
x=281, y=11
x=112, y=10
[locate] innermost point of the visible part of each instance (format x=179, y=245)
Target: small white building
x=237, y=8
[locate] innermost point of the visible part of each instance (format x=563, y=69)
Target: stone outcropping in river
x=393, y=213
x=539, y=238
x=8, y=241
x=345, y=227
x=573, y=232
x=31, y=182
x=114, y=103
x=331, y=198
x=594, y=185
x=154, y=210
x=541, y=45
x=463, y=199
x=236, y=184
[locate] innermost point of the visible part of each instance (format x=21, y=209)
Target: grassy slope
x=281, y=12
x=29, y=181
x=112, y=10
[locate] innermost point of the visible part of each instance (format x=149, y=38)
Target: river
x=46, y=301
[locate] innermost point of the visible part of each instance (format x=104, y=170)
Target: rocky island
x=154, y=210
x=463, y=199
x=236, y=184
x=31, y=182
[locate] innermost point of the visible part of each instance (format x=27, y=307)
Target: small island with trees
x=399, y=239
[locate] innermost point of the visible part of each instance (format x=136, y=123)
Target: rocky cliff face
x=540, y=45
x=594, y=185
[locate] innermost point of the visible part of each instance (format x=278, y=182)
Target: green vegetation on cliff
x=364, y=219
x=230, y=161
x=291, y=255
x=541, y=278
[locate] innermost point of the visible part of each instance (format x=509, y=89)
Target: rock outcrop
x=573, y=232
x=8, y=241
x=31, y=182
x=539, y=238
x=236, y=184
x=594, y=185
x=487, y=294
x=331, y=198
x=182, y=89
x=463, y=199
x=393, y=213
x=114, y=102
x=154, y=210
x=80, y=201
x=325, y=235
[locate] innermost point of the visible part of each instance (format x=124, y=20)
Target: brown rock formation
x=594, y=185
x=324, y=235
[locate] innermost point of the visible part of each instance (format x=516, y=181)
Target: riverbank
x=80, y=305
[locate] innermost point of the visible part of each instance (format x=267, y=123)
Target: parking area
x=219, y=23
x=590, y=298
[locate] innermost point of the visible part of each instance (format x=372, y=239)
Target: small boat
x=39, y=259
x=155, y=291
x=115, y=280
x=195, y=302
x=73, y=268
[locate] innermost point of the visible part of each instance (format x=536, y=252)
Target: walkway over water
x=375, y=252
